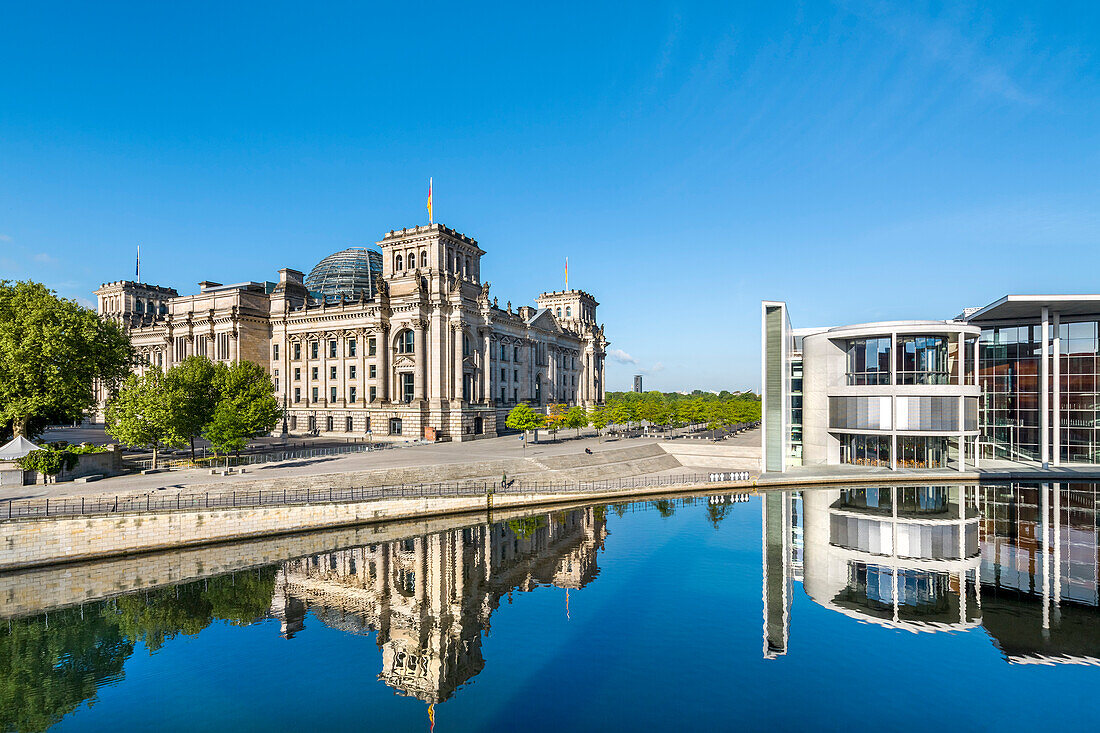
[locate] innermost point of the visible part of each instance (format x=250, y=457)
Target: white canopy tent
x=17, y=449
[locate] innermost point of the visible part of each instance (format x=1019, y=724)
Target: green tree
x=192, y=386
x=576, y=418
x=52, y=353
x=620, y=412
x=246, y=406
x=597, y=417
x=555, y=418
x=664, y=507
x=523, y=418
x=140, y=414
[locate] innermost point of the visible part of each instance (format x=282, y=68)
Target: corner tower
x=432, y=249
x=569, y=305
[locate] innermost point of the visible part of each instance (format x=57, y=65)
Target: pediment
x=403, y=360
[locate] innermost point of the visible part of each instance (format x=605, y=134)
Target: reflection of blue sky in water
x=667, y=635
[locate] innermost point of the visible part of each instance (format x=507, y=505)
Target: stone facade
x=429, y=355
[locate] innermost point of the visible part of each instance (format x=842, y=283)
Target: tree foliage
x=53, y=351
x=246, y=406
x=675, y=409
x=50, y=461
x=225, y=404
x=523, y=418
x=576, y=418
x=141, y=413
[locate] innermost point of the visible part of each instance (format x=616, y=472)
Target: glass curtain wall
x=1008, y=365
x=922, y=451
x=865, y=450
x=925, y=359
x=1079, y=440
x=869, y=361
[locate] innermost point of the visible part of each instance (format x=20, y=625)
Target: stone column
x=421, y=359
x=456, y=366
x=487, y=345
x=384, y=362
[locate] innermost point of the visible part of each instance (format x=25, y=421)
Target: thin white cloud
x=5, y=237
x=621, y=356
x=45, y=258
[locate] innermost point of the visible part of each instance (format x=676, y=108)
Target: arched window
x=138, y=307
x=423, y=258
x=465, y=344
x=412, y=260
x=406, y=341
x=397, y=263
x=568, y=312
x=559, y=312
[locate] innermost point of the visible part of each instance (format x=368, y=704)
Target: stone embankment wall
x=45, y=541
x=46, y=589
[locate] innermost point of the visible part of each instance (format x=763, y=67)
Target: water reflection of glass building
x=1015, y=380
x=1020, y=561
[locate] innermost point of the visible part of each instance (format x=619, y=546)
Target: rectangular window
x=297, y=394
x=313, y=349
x=332, y=348
x=395, y=426
x=297, y=374
x=372, y=347
x=276, y=384
x=351, y=394
x=351, y=372
x=515, y=354
x=332, y=394
x=328, y=428
x=407, y=386
x=351, y=347
x=222, y=346
x=275, y=352
x=293, y=422
x=515, y=395
x=313, y=374
x=332, y=372
x=316, y=396
x=348, y=428
x=373, y=394
x=297, y=351
x=503, y=352
x=502, y=394
x=373, y=371
x=502, y=377
x=516, y=375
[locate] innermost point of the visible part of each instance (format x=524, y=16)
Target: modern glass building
x=350, y=273
x=1016, y=380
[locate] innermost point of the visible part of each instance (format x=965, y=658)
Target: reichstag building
x=402, y=343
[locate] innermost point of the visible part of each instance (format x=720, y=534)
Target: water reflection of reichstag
x=1018, y=560
x=429, y=599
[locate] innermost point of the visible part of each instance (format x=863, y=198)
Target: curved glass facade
x=349, y=273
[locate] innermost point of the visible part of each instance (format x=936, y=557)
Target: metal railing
x=223, y=499
x=271, y=456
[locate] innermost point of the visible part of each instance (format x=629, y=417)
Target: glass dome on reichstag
x=349, y=273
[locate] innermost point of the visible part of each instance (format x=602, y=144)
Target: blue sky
x=862, y=161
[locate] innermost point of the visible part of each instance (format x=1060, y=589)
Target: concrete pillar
x=1044, y=389
x=1056, y=447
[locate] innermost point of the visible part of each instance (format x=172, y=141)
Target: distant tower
x=638, y=383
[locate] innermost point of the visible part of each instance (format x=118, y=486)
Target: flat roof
x=1012, y=307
